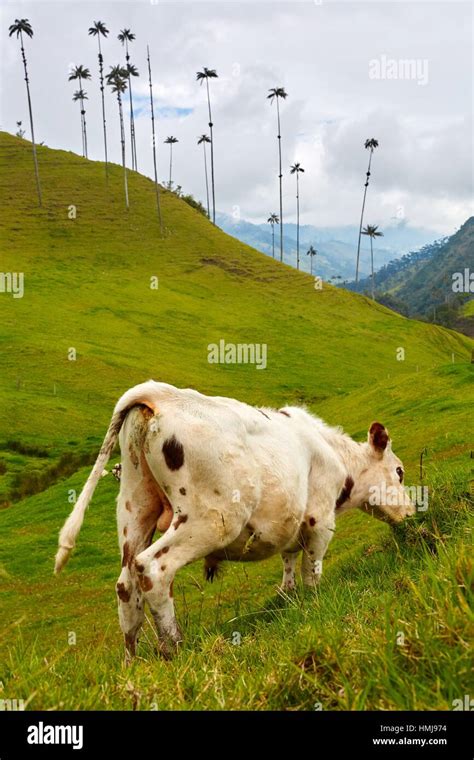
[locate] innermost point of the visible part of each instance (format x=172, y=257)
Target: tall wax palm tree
x=296, y=169
x=125, y=37
x=202, y=140
x=204, y=76
x=98, y=29
x=132, y=71
x=372, y=231
x=152, y=112
x=80, y=73
x=311, y=252
x=20, y=27
x=171, y=141
x=117, y=80
x=80, y=96
x=275, y=94
x=272, y=220
x=370, y=145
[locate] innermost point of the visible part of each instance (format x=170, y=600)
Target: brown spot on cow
x=312, y=521
x=122, y=592
x=179, y=521
x=282, y=411
x=140, y=568
x=164, y=550
x=182, y=491
x=218, y=493
x=173, y=453
x=125, y=531
x=171, y=589
x=128, y=506
x=163, y=568
x=146, y=583
x=126, y=555
x=345, y=493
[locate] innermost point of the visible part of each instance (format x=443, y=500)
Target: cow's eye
x=400, y=474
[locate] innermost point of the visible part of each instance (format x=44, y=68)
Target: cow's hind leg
x=187, y=539
x=139, y=506
x=288, y=582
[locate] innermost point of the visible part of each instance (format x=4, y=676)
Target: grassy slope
x=87, y=286
x=468, y=308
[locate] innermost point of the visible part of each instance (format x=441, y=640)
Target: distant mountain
x=336, y=246
x=431, y=283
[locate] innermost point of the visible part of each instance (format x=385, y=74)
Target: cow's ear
x=378, y=437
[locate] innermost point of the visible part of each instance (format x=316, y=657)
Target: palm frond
x=371, y=144
x=98, y=28
x=21, y=26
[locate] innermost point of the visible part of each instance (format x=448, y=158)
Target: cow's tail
x=141, y=394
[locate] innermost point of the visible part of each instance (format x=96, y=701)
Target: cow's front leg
x=316, y=537
x=288, y=582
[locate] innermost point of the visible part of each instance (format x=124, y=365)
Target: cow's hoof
x=287, y=589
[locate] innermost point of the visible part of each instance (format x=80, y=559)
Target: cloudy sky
x=343, y=65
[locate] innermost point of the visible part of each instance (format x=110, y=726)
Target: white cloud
x=319, y=53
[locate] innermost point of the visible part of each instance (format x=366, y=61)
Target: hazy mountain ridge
x=336, y=246
x=422, y=283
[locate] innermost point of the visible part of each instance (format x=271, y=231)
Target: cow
x=222, y=480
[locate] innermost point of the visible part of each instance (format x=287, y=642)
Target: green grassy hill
x=87, y=287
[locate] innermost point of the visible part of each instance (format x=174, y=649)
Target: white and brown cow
x=222, y=480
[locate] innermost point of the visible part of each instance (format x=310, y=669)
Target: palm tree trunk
x=311, y=265
x=207, y=183
x=297, y=221
x=122, y=138
x=362, y=216
x=101, y=77
x=132, y=126
x=372, y=266
x=171, y=162
x=280, y=176
x=132, y=120
x=273, y=240
x=83, y=113
x=30, y=109
x=212, y=154
x=82, y=132
x=157, y=192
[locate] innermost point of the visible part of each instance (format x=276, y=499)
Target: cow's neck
x=353, y=455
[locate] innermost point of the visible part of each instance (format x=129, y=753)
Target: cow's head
x=378, y=488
